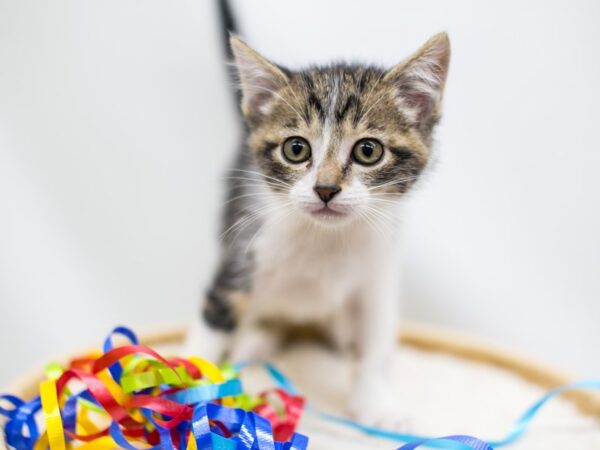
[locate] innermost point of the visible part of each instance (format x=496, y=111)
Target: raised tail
x=228, y=26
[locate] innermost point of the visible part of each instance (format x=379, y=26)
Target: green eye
x=296, y=150
x=367, y=152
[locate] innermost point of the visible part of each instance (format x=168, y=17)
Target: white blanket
x=438, y=394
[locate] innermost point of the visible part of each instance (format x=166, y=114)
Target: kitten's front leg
x=373, y=401
x=253, y=342
x=210, y=335
x=206, y=342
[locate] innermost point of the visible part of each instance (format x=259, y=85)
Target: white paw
x=380, y=412
x=254, y=344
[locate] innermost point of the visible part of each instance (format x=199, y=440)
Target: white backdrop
x=116, y=125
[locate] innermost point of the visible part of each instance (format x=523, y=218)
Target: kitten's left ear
x=420, y=79
x=259, y=79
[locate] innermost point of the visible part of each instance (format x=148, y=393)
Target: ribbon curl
x=132, y=397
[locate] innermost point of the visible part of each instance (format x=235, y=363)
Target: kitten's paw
x=380, y=413
x=254, y=344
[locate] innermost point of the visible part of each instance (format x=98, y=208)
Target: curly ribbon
x=414, y=441
x=21, y=430
x=206, y=393
x=116, y=370
x=14, y=401
x=253, y=432
x=54, y=425
x=283, y=424
x=133, y=398
x=521, y=425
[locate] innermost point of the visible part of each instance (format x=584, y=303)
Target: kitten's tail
x=228, y=26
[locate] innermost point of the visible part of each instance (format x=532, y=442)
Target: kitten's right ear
x=420, y=79
x=259, y=79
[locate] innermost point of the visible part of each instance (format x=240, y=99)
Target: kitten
x=330, y=152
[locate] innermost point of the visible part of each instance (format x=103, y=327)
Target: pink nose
x=326, y=192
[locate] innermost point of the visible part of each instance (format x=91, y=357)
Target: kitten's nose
x=326, y=192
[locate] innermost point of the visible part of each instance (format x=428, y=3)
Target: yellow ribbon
x=54, y=425
x=213, y=373
x=114, y=389
x=208, y=369
x=42, y=442
x=192, y=443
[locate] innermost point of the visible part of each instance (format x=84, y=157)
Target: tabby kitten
x=330, y=152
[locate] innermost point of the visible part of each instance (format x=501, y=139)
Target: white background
x=116, y=124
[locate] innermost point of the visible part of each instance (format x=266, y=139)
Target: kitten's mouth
x=327, y=212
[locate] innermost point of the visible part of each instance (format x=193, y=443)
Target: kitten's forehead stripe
x=314, y=103
x=362, y=80
x=339, y=92
x=351, y=102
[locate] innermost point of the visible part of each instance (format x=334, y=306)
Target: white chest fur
x=306, y=274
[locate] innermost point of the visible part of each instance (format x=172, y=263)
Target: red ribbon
x=283, y=425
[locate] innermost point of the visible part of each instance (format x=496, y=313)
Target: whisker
x=281, y=98
x=277, y=219
x=389, y=221
x=384, y=201
x=261, y=175
x=369, y=220
x=296, y=97
x=375, y=104
x=392, y=182
x=261, y=186
x=370, y=92
x=247, y=219
x=241, y=222
x=260, y=182
x=388, y=227
x=256, y=214
x=255, y=194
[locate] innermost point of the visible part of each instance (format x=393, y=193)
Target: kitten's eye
x=367, y=152
x=296, y=150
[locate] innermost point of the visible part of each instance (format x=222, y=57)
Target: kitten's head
x=342, y=141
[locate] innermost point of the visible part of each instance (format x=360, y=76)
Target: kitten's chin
x=329, y=217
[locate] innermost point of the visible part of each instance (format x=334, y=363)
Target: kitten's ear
x=421, y=78
x=259, y=79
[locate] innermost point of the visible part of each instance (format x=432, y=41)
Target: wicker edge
x=472, y=348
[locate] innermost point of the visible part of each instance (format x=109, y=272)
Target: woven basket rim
x=428, y=337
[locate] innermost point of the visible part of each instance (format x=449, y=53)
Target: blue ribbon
x=207, y=392
x=251, y=431
x=23, y=419
x=521, y=425
x=414, y=441
x=450, y=442
x=457, y=442
x=116, y=370
x=118, y=436
x=16, y=402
